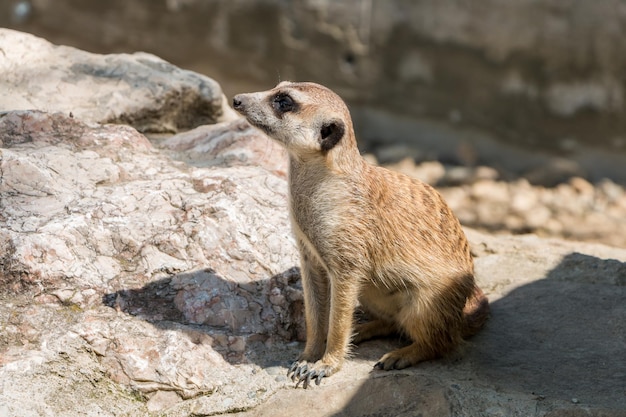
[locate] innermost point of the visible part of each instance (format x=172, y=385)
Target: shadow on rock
x=235, y=315
x=564, y=336
x=556, y=343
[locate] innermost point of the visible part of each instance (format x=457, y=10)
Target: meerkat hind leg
x=433, y=322
x=404, y=357
x=421, y=349
x=373, y=329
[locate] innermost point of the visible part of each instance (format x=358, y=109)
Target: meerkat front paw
x=305, y=372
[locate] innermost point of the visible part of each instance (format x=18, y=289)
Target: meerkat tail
x=476, y=312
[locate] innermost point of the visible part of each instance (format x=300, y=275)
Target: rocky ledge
x=143, y=277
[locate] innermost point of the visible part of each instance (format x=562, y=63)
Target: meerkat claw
x=319, y=377
x=293, y=367
x=309, y=376
x=307, y=380
x=298, y=371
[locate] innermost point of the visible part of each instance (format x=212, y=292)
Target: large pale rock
x=227, y=144
x=194, y=260
x=139, y=89
x=145, y=208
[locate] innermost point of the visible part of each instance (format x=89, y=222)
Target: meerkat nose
x=237, y=102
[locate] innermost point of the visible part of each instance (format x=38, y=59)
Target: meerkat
x=367, y=237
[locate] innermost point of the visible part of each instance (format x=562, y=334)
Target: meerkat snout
x=367, y=236
x=240, y=101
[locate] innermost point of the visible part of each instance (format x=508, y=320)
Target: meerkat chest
x=317, y=209
x=314, y=210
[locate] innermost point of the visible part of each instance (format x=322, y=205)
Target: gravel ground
x=575, y=210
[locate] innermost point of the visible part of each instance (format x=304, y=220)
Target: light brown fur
x=366, y=236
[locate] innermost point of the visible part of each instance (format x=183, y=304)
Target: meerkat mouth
x=263, y=127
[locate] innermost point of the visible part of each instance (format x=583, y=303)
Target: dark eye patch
x=283, y=103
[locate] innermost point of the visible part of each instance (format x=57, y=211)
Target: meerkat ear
x=330, y=134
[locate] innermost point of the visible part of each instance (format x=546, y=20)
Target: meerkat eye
x=283, y=103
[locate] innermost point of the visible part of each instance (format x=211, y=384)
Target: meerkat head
x=306, y=118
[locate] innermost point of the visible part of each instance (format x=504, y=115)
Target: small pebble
x=275, y=370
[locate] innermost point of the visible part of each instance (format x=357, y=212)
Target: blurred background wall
x=526, y=86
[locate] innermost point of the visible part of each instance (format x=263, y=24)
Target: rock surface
x=136, y=269
x=142, y=280
x=139, y=89
x=228, y=144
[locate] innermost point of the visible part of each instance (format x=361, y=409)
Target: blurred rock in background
x=513, y=85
